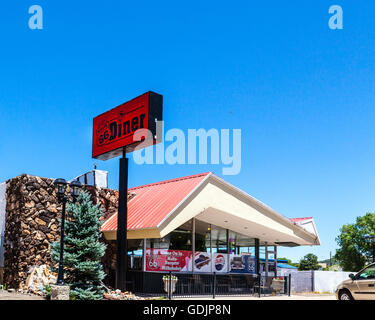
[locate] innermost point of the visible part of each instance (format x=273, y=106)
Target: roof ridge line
x=170, y=181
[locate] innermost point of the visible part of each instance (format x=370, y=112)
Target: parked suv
x=359, y=287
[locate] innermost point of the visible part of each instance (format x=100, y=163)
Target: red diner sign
x=115, y=129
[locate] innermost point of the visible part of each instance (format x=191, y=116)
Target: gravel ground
x=5, y=295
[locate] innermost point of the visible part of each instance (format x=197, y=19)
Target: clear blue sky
x=302, y=94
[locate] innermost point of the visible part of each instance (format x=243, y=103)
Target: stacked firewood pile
x=32, y=224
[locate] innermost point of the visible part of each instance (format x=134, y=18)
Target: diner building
x=198, y=225
x=201, y=224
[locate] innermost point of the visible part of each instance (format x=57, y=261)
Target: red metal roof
x=300, y=219
x=153, y=202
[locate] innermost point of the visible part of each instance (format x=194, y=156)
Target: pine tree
x=83, y=250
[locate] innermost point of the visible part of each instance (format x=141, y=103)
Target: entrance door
x=366, y=284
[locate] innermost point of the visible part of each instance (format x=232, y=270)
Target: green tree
x=309, y=262
x=354, y=250
x=83, y=250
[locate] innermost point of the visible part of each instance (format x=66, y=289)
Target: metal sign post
x=114, y=133
x=122, y=218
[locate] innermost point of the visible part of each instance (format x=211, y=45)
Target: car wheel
x=345, y=295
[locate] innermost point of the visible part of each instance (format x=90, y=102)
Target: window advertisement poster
x=202, y=262
x=220, y=262
x=242, y=263
x=207, y=262
x=237, y=263
x=168, y=260
x=251, y=264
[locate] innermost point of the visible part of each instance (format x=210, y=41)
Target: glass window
x=271, y=258
x=262, y=252
x=180, y=239
x=135, y=250
x=162, y=243
x=368, y=273
x=241, y=244
x=202, y=236
x=219, y=239
x=241, y=253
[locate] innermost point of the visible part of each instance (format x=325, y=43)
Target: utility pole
x=330, y=258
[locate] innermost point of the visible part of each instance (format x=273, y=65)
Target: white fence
x=302, y=281
x=327, y=281
x=316, y=281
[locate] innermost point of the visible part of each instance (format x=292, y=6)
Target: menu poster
x=168, y=260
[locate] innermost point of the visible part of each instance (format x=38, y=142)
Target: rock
x=50, y=237
x=118, y=295
x=24, y=225
x=40, y=222
x=43, y=193
x=52, y=208
x=38, y=278
x=39, y=235
x=44, y=229
x=60, y=292
x=30, y=204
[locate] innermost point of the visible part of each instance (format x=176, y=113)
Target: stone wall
x=31, y=224
x=3, y=204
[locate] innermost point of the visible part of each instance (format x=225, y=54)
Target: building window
x=241, y=244
x=202, y=236
x=178, y=239
x=181, y=238
x=162, y=243
x=219, y=240
x=135, y=253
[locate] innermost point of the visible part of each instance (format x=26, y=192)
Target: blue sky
x=302, y=94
